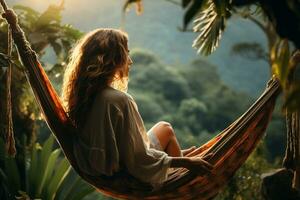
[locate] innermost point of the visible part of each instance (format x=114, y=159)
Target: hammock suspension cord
x=8, y=121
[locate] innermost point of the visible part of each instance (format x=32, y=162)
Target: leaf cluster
x=285, y=66
x=44, y=29
x=48, y=175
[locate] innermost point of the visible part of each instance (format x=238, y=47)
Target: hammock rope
x=10, y=140
x=8, y=121
x=230, y=148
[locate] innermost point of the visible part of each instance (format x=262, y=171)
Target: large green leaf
x=73, y=187
x=283, y=59
x=32, y=174
x=67, y=185
x=43, y=162
x=79, y=190
x=59, y=175
x=280, y=56
x=48, y=173
x=13, y=175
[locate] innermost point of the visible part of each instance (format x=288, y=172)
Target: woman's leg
x=166, y=136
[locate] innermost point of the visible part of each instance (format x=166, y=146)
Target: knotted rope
x=9, y=134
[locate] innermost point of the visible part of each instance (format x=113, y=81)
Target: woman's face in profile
x=128, y=64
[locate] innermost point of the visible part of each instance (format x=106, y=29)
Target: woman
x=112, y=134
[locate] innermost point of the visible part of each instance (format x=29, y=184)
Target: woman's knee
x=167, y=128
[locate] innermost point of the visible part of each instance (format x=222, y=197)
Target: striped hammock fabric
x=231, y=147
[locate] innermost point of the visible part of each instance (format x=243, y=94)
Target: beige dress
x=114, y=137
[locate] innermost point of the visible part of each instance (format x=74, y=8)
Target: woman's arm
x=195, y=164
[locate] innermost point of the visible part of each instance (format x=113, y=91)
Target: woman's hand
x=199, y=165
x=187, y=151
x=195, y=164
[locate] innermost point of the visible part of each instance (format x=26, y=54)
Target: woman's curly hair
x=95, y=62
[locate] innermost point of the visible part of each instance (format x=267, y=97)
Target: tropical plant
x=49, y=176
x=246, y=184
x=44, y=31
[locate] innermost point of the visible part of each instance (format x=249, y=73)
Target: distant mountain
x=156, y=30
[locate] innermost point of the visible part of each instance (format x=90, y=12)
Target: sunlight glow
x=38, y=4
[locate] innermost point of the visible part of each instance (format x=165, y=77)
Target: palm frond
x=210, y=25
x=191, y=11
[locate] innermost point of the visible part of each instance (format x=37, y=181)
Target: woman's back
x=114, y=137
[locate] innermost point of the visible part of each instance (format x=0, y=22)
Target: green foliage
x=143, y=57
x=280, y=56
x=151, y=108
x=192, y=97
x=153, y=76
x=202, y=77
x=47, y=175
x=43, y=30
x=247, y=181
x=285, y=66
x=191, y=113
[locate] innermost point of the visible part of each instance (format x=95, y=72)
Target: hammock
x=230, y=148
